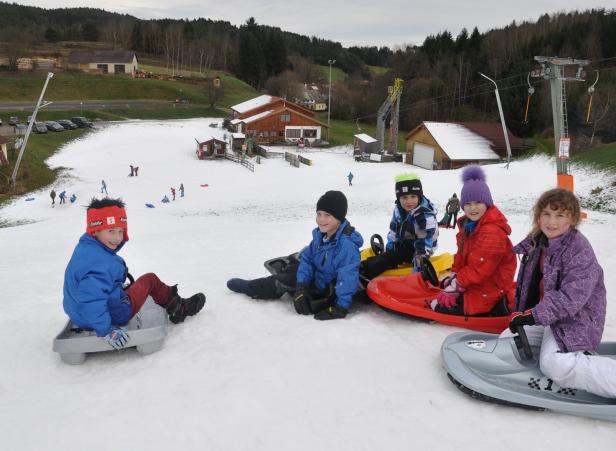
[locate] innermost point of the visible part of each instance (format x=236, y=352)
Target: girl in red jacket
x=481, y=282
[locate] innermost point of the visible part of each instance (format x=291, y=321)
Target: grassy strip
x=26, y=86
x=33, y=172
x=603, y=157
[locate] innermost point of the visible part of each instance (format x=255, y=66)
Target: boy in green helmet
x=413, y=230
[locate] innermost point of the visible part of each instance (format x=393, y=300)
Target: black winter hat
x=334, y=203
x=408, y=183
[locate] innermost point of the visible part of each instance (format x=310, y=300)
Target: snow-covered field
x=245, y=374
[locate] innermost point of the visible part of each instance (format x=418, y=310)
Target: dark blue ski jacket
x=93, y=280
x=336, y=259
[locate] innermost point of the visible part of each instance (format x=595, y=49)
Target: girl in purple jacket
x=560, y=287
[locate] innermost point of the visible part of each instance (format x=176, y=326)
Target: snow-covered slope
x=245, y=374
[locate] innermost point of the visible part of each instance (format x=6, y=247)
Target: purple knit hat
x=475, y=188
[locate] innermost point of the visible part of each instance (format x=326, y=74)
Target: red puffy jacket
x=485, y=263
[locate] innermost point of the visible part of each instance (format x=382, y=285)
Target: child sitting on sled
x=560, y=287
x=330, y=260
x=94, y=297
x=413, y=230
x=484, y=265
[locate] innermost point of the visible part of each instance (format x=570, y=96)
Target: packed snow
x=247, y=374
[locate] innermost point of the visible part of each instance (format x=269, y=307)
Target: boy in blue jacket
x=94, y=293
x=330, y=260
x=413, y=230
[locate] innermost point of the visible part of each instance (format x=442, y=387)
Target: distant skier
x=132, y=170
x=165, y=199
x=181, y=190
x=136, y=171
x=73, y=198
x=103, y=187
x=452, y=208
x=63, y=197
x=350, y=177
x=53, y=197
x=173, y=192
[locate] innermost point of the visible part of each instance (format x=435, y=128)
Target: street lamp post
x=32, y=120
x=502, y=117
x=329, y=96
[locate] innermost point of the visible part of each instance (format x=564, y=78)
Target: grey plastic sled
x=277, y=265
x=504, y=371
x=146, y=330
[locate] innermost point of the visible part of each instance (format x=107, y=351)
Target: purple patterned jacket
x=574, y=298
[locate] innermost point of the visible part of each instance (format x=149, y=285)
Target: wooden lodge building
x=271, y=119
x=209, y=148
x=443, y=145
x=104, y=62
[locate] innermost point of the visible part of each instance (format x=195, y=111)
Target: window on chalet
x=285, y=117
x=310, y=133
x=294, y=133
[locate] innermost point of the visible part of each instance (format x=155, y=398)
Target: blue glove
x=117, y=338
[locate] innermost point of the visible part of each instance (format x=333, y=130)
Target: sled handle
x=377, y=244
x=521, y=342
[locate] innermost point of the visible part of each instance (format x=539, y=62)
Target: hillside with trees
x=441, y=75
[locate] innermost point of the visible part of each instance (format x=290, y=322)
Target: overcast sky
x=354, y=22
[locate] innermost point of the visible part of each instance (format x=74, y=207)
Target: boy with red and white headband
x=94, y=297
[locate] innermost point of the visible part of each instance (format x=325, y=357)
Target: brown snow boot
x=179, y=308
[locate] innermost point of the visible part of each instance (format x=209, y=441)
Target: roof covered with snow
x=238, y=135
x=256, y=117
x=207, y=138
x=252, y=103
x=459, y=143
x=365, y=138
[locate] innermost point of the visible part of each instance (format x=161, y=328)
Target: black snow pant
x=453, y=216
x=273, y=287
x=373, y=266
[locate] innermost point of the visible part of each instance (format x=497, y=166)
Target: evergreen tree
x=89, y=32
x=52, y=35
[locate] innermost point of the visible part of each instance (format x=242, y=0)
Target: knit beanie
x=408, y=183
x=106, y=218
x=475, y=188
x=334, y=203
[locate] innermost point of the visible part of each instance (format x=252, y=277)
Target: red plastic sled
x=412, y=295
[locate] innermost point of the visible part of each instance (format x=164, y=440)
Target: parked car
x=0, y=121
x=54, y=126
x=20, y=129
x=81, y=121
x=13, y=120
x=39, y=127
x=68, y=125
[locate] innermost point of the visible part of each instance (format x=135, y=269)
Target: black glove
x=521, y=319
x=419, y=261
x=334, y=312
x=301, y=300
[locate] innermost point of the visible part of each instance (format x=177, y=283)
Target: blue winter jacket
x=417, y=229
x=93, y=294
x=337, y=259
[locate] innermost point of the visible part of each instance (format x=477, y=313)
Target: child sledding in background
x=94, y=297
x=560, y=287
x=331, y=259
x=413, y=230
x=484, y=265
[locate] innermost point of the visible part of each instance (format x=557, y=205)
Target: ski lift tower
x=553, y=69
x=390, y=105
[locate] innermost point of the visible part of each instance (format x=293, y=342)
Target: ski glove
x=449, y=296
x=301, y=300
x=117, y=338
x=333, y=312
x=521, y=319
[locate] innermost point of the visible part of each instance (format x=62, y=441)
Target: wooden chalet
x=104, y=62
x=443, y=145
x=270, y=119
x=210, y=148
